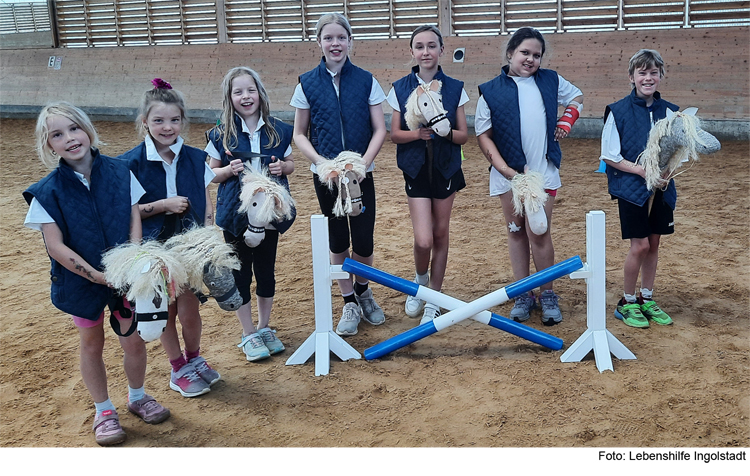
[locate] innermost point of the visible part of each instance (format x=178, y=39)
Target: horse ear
x=420, y=90
x=690, y=111
x=435, y=85
x=670, y=114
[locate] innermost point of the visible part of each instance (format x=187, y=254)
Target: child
x=644, y=216
x=355, y=122
x=430, y=193
x=176, y=178
x=509, y=113
x=246, y=126
x=86, y=205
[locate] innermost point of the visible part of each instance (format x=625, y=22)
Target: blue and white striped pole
x=461, y=310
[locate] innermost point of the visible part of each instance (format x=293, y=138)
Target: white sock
x=135, y=394
x=629, y=298
x=647, y=294
x=105, y=405
x=423, y=279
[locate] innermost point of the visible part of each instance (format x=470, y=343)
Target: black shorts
x=260, y=261
x=637, y=222
x=440, y=188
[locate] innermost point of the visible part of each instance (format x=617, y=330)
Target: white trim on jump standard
x=324, y=340
x=596, y=337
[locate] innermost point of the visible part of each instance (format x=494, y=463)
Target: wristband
x=568, y=118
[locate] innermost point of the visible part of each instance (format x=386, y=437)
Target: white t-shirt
x=37, y=215
x=254, y=144
x=299, y=101
x=533, y=137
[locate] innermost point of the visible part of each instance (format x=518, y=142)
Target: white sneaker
x=431, y=311
x=350, y=317
x=414, y=305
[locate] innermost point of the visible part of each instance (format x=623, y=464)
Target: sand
x=468, y=386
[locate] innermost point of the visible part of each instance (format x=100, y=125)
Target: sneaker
x=371, y=312
x=254, y=348
x=207, y=373
x=188, y=382
x=413, y=305
x=431, y=311
x=523, y=306
x=652, y=311
x=630, y=314
x=349, y=320
x=551, y=314
x=107, y=429
x=273, y=344
x=148, y=410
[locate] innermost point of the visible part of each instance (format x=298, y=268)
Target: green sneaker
x=631, y=314
x=652, y=311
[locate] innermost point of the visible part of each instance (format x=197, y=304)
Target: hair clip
x=160, y=84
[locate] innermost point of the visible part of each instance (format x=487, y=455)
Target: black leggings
x=261, y=260
x=362, y=227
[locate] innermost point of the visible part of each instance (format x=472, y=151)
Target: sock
x=103, y=406
x=647, y=294
x=191, y=355
x=629, y=298
x=422, y=279
x=135, y=394
x=349, y=298
x=178, y=363
x=360, y=288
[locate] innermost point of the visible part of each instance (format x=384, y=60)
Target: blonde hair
x=328, y=18
x=153, y=96
x=69, y=111
x=646, y=58
x=229, y=132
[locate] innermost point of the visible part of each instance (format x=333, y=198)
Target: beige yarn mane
x=528, y=188
x=201, y=245
x=650, y=157
x=125, y=264
x=331, y=172
x=278, y=204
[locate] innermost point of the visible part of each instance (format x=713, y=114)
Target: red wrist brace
x=568, y=118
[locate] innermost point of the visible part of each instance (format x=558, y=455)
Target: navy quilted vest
x=633, y=125
x=228, y=195
x=501, y=95
x=446, y=155
x=328, y=114
x=191, y=166
x=91, y=222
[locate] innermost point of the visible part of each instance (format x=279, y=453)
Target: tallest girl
x=339, y=105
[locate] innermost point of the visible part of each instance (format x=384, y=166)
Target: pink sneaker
x=149, y=410
x=188, y=382
x=107, y=429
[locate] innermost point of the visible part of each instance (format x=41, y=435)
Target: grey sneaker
x=188, y=382
x=551, y=314
x=208, y=374
x=523, y=306
x=254, y=348
x=349, y=320
x=413, y=304
x=371, y=312
x=431, y=311
x=272, y=342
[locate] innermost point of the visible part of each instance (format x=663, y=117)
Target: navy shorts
x=637, y=222
x=440, y=188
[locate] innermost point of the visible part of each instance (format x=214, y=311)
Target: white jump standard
x=596, y=337
x=461, y=310
x=324, y=340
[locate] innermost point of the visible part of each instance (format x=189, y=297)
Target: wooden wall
x=706, y=68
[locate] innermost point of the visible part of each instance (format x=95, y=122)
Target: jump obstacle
x=463, y=310
x=324, y=340
x=596, y=337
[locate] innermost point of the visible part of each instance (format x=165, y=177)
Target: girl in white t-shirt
x=518, y=131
